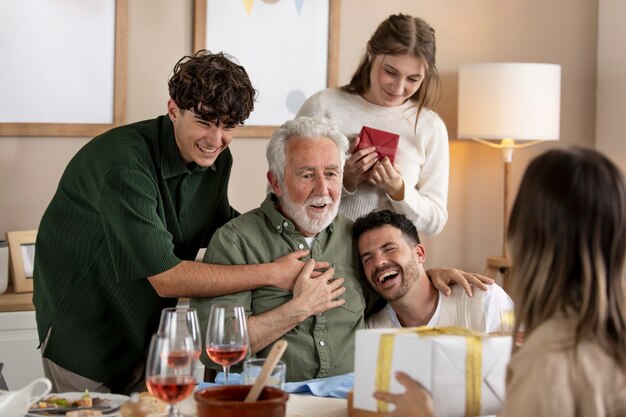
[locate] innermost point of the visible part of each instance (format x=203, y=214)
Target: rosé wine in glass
x=170, y=368
x=182, y=321
x=227, y=355
x=178, y=358
x=227, y=335
x=171, y=389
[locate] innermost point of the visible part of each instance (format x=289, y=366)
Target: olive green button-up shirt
x=127, y=207
x=322, y=345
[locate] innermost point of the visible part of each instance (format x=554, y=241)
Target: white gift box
x=465, y=374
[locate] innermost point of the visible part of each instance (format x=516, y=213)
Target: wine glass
x=182, y=321
x=227, y=335
x=170, y=368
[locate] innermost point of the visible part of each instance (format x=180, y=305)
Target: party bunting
x=248, y=5
x=298, y=5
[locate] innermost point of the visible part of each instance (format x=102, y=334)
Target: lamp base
x=499, y=265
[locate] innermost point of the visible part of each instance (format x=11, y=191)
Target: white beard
x=303, y=219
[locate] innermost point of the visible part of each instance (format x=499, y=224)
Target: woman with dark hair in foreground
x=567, y=236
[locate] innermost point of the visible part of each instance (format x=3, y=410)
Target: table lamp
x=505, y=103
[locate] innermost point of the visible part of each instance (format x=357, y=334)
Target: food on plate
x=55, y=401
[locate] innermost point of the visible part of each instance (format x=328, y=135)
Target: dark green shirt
x=127, y=207
x=322, y=345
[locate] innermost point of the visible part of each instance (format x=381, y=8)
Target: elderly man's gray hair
x=304, y=127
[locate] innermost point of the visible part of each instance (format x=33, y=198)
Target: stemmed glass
x=182, y=321
x=227, y=335
x=170, y=368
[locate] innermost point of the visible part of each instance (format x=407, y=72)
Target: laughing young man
x=393, y=261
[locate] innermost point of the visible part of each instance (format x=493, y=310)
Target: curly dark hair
x=380, y=218
x=214, y=87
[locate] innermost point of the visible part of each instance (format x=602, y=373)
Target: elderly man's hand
x=415, y=402
x=313, y=296
x=442, y=277
x=289, y=266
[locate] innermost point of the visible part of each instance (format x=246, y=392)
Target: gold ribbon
x=473, y=363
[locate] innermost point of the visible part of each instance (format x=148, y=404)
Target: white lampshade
x=520, y=101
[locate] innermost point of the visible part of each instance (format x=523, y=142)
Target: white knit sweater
x=422, y=156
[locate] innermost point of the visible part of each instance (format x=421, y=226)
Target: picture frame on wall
x=64, y=69
x=22, y=253
x=289, y=49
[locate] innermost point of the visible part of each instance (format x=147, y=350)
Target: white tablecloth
x=310, y=406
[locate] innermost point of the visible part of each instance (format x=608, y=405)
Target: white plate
x=115, y=400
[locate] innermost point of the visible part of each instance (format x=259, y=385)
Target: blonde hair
x=567, y=236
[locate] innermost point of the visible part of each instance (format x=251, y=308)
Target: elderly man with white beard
x=319, y=318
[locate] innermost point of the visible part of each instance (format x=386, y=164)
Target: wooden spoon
x=272, y=359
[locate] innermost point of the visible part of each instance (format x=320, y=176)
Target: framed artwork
x=22, y=251
x=63, y=69
x=288, y=47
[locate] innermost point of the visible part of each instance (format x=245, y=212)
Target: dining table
x=298, y=405
x=303, y=405
x=324, y=397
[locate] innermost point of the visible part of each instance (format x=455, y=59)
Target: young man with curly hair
x=116, y=245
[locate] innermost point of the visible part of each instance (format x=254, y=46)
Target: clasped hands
x=315, y=295
x=364, y=165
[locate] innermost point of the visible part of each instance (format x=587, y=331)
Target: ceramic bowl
x=227, y=401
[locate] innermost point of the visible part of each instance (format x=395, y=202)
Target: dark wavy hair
x=214, y=87
x=380, y=218
x=401, y=34
x=567, y=236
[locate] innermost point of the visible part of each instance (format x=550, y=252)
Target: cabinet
x=18, y=348
x=19, y=340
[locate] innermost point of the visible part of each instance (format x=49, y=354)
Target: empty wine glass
x=182, y=321
x=170, y=368
x=227, y=335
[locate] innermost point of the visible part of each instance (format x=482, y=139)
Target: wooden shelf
x=10, y=301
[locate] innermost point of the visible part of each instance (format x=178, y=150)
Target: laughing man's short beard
x=410, y=274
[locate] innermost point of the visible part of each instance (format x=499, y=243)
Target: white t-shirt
x=495, y=301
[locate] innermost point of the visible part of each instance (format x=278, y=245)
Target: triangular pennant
x=298, y=5
x=248, y=5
